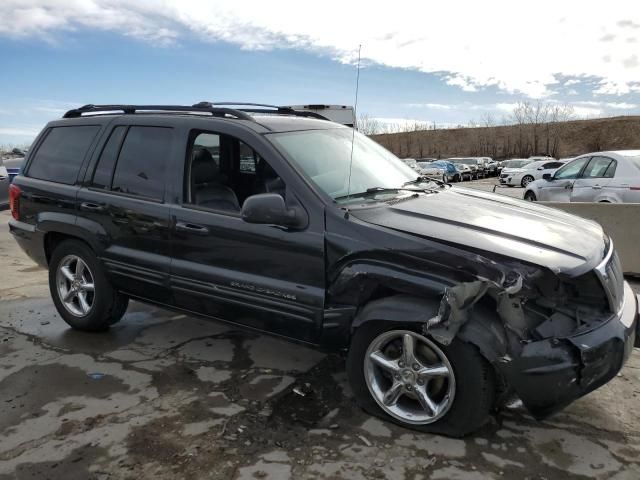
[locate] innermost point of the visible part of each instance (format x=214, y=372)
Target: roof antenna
x=355, y=114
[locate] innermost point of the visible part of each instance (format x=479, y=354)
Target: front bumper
x=508, y=180
x=551, y=373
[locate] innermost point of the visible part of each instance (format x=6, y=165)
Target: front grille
x=610, y=273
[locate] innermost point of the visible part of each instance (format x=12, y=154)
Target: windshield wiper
x=423, y=178
x=373, y=190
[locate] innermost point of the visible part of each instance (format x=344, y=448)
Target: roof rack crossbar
x=131, y=109
x=296, y=113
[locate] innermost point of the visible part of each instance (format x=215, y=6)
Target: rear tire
x=474, y=383
x=81, y=292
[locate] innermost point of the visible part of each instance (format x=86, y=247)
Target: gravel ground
x=168, y=396
x=487, y=184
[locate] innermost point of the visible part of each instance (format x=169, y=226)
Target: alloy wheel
x=76, y=288
x=409, y=377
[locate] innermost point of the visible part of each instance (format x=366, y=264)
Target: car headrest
x=203, y=167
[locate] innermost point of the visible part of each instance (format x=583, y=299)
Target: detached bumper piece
x=550, y=374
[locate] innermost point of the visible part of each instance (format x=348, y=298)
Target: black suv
x=447, y=300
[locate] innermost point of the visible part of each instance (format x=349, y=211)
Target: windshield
x=515, y=163
x=324, y=157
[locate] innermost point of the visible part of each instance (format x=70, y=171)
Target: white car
x=529, y=172
x=612, y=177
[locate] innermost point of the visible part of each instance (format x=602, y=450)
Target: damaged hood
x=494, y=223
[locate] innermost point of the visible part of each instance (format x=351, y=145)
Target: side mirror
x=540, y=168
x=269, y=208
x=547, y=176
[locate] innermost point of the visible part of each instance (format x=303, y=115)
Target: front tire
x=81, y=292
x=446, y=390
x=526, y=180
x=530, y=196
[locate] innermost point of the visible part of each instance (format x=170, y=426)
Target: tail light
x=14, y=201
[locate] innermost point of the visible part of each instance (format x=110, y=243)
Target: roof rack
x=264, y=108
x=216, y=109
x=201, y=107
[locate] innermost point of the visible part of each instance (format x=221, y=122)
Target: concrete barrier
x=621, y=221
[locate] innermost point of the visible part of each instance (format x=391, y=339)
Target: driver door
x=595, y=177
x=558, y=189
x=263, y=276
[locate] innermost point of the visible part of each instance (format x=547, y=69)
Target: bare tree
x=368, y=125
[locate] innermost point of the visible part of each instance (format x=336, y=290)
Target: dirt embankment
x=559, y=139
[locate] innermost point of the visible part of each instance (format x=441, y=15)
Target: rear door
x=122, y=202
x=263, y=276
x=594, y=179
x=559, y=188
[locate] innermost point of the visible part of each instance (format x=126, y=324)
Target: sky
x=446, y=63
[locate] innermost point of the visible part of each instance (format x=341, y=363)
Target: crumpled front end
x=554, y=339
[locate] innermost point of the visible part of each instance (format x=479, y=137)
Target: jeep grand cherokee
x=444, y=299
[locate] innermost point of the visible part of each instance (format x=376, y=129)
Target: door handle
x=91, y=207
x=596, y=187
x=192, y=228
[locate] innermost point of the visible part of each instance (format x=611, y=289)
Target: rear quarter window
x=62, y=152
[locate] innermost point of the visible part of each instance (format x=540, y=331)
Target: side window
x=611, y=169
x=552, y=165
x=248, y=159
x=571, y=170
x=61, y=153
x=140, y=169
x=598, y=168
x=222, y=171
x=104, y=169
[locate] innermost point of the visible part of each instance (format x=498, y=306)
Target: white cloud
x=28, y=132
x=433, y=106
x=493, y=44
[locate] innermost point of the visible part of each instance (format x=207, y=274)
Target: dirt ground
x=168, y=396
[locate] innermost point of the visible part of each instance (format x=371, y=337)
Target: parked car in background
x=513, y=163
x=526, y=174
x=13, y=166
x=492, y=167
x=476, y=170
x=4, y=186
x=442, y=169
x=612, y=177
x=485, y=162
x=537, y=158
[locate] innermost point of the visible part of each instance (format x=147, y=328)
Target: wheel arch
x=54, y=237
x=484, y=329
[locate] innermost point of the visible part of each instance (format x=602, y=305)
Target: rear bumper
x=550, y=374
x=30, y=239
